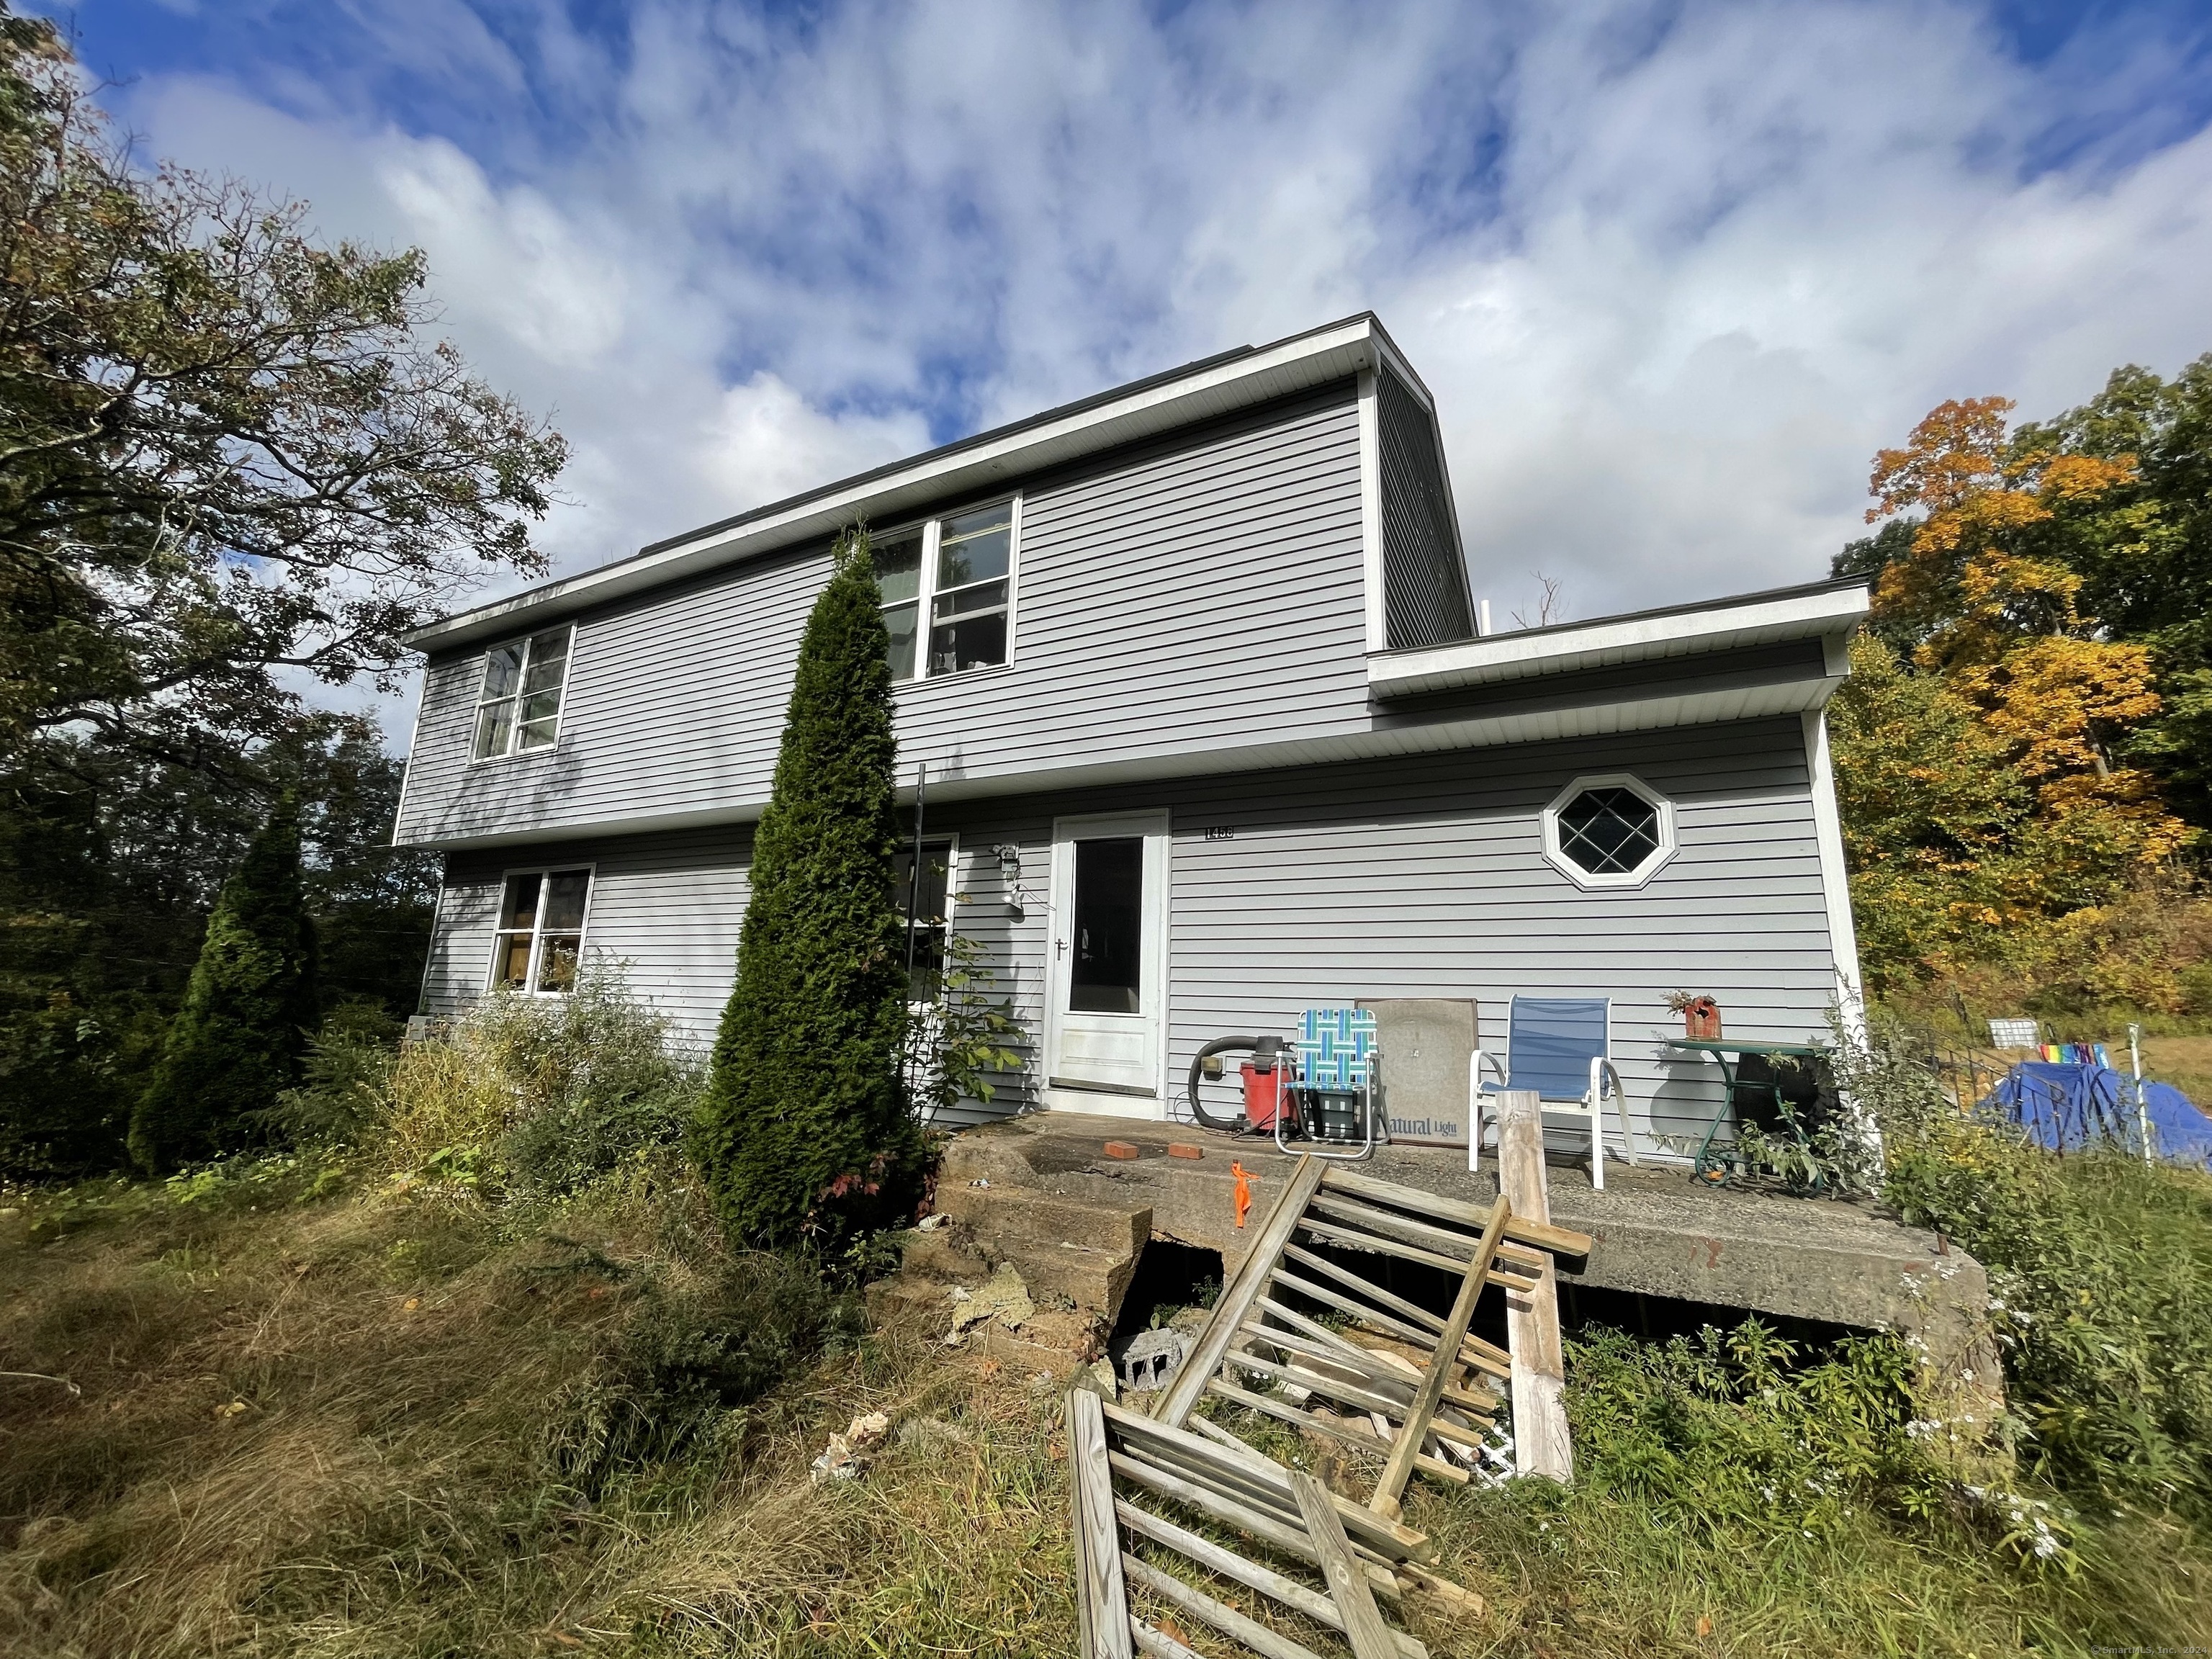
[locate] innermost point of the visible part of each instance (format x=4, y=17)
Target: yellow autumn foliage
x=2003, y=626
x=1991, y=825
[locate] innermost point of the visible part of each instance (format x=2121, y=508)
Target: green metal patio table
x=1719, y=1049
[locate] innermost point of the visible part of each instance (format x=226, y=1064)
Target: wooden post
x=1540, y=1444
x=1443, y=1366
x=1370, y=1638
x=1244, y=1289
x=1102, y=1598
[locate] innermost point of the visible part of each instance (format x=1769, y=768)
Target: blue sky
x=1674, y=270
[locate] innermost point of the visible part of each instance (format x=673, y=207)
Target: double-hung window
x=948, y=592
x=519, y=708
x=541, y=930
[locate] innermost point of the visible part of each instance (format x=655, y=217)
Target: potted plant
x=1701, y=1016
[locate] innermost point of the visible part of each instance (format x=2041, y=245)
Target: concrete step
x=945, y=1255
x=1006, y=1213
x=1083, y=1250
x=1095, y=1281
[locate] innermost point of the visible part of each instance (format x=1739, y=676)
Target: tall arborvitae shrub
x=805, y=1134
x=236, y=1043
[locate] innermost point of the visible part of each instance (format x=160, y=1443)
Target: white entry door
x=1105, y=1027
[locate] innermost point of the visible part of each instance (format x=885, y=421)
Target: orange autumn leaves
x=2003, y=626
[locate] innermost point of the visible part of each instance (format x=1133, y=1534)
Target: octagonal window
x=1608, y=831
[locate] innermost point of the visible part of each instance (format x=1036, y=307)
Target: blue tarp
x=2065, y=1106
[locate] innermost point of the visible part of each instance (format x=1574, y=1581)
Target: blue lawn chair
x=1337, y=1056
x=1562, y=1048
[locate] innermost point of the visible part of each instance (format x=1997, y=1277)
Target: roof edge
x=1807, y=610
x=1059, y=429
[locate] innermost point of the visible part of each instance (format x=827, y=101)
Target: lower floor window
x=927, y=906
x=541, y=930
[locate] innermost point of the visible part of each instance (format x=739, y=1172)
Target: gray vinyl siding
x=1425, y=877
x=1424, y=587
x=664, y=911
x=665, y=914
x=1195, y=593
x=1415, y=877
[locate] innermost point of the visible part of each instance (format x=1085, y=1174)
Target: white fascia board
x=1257, y=377
x=1721, y=626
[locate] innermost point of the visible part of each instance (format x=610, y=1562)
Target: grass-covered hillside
x=453, y=1396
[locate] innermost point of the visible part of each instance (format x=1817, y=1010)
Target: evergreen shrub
x=805, y=1133
x=234, y=1047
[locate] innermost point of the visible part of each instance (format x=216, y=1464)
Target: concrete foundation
x=1656, y=1233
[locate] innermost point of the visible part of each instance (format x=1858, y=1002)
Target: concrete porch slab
x=1656, y=1233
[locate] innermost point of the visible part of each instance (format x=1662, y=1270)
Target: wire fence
x=2107, y=1115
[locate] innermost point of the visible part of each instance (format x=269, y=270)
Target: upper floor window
x=541, y=930
x=948, y=592
x=519, y=708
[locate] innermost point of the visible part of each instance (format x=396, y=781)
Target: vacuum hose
x=1220, y=1045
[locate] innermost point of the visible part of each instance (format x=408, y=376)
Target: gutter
x=1828, y=611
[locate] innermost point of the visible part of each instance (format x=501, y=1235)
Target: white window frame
x=927, y=587
x=1612, y=881
x=514, y=731
x=529, y=987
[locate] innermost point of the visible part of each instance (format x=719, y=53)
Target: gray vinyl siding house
x=1240, y=642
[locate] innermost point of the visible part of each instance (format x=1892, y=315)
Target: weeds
x=379, y=1422
x=373, y=1424
x=2100, y=1269
x=546, y=1093
x=292, y=1405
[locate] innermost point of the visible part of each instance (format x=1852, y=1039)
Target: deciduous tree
x=1997, y=614
x=226, y=452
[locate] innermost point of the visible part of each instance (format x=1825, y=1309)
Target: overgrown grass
x=433, y=1395
x=390, y=1424
x=2100, y=1269
x=369, y=1421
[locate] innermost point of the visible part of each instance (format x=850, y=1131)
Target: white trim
x=1387, y=357
x=1014, y=527
x=1158, y=828
x=1371, y=509
x=1836, y=655
x=529, y=987
x=1310, y=361
x=1835, y=873
x=560, y=712
x=1527, y=653
x=927, y=587
x=1653, y=862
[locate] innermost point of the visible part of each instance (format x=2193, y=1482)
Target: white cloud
x=514, y=260
x=1673, y=278
x=768, y=442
